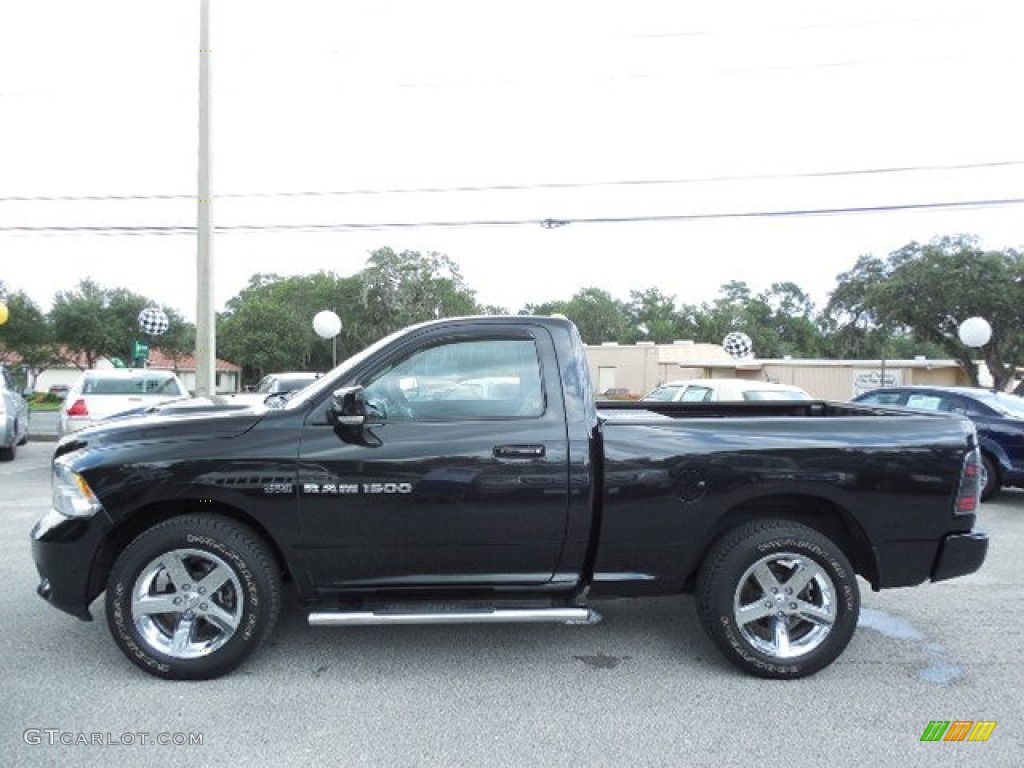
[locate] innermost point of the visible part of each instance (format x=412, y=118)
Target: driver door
x=460, y=477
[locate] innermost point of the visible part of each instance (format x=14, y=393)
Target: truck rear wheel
x=778, y=599
x=192, y=597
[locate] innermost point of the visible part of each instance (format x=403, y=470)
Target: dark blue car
x=998, y=417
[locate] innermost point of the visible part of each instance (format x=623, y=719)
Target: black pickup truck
x=462, y=471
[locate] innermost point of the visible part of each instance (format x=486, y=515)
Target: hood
x=191, y=406
x=191, y=418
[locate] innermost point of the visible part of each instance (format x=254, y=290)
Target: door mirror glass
x=347, y=408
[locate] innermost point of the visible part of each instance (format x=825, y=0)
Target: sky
x=686, y=144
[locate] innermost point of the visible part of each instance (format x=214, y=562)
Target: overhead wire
x=547, y=223
x=725, y=178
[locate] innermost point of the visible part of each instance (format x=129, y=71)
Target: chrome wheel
x=187, y=603
x=778, y=598
x=785, y=605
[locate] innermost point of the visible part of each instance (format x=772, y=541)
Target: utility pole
x=206, y=340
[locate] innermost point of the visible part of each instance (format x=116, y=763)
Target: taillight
x=78, y=409
x=970, y=485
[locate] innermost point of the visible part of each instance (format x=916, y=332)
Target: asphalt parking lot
x=643, y=688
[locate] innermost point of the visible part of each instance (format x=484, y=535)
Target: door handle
x=518, y=451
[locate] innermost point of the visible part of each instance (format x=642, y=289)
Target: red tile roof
x=159, y=359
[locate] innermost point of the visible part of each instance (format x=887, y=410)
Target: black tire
x=9, y=453
x=220, y=587
x=991, y=484
x=777, y=634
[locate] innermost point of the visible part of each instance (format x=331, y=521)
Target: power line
x=548, y=223
x=536, y=186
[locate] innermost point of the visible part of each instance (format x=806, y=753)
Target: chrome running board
x=409, y=615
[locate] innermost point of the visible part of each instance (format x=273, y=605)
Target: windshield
x=1005, y=403
x=663, y=394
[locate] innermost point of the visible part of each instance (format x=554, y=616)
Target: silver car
x=13, y=417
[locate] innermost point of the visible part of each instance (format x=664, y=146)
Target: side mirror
x=347, y=408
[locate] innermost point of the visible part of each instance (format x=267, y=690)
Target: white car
x=101, y=393
x=718, y=390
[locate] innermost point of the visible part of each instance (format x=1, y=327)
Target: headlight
x=72, y=496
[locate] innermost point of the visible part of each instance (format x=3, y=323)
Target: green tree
x=180, y=339
x=268, y=326
x=652, y=316
x=26, y=336
x=927, y=291
x=102, y=322
x=779, y=321
x=26, y=328
x=726, y=313
x=78, y=319
x=596, y=314
x=850, y=321
x=787, y=322
x=399, y=289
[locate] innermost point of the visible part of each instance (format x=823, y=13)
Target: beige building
x=638, y=369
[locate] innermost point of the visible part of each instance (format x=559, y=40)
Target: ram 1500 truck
x=462, y=471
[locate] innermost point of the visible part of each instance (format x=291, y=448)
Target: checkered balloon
x=738, y=344
x=153, y=321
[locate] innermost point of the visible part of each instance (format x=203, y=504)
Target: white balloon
x=326, y=324
x=975, y=332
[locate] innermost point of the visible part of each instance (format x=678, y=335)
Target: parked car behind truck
x=13, y=417
x=386, y=501
x=998, y=417
x=99, y=394
x=720, y=390
x=282, y=384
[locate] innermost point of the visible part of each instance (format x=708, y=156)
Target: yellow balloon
x=4, y=314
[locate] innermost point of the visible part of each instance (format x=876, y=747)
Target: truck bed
x=627, y=409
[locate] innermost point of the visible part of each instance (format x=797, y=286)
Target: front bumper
x=960, y=554
x=65, y=551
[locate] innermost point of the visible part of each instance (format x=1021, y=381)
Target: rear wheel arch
x=822, y=515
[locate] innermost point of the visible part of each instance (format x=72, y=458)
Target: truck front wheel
x=778, y=599
x=192, y=597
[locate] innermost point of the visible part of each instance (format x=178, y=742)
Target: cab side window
x=471, y=379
